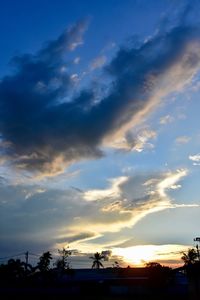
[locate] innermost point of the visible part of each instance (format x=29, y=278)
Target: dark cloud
x=77, y=237
x=107, y=254
x=44, y=132
x=68, y=40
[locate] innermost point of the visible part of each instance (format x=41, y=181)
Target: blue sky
x=99, y=131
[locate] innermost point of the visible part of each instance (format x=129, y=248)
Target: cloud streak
x=181, y=140
x=43, y=130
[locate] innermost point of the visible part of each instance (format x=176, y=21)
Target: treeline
x=18, y=272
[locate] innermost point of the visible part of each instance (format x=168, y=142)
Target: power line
x=30, y=253
x=19, y=254
x=11, y=256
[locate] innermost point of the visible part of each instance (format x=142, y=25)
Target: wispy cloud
x=195, y=158
x=138, y=140
x=98, y=62
x=142, y=141
x=77, y=60
x=182, y=139
x=76, y=238
x=166, y=120
x=113, y=192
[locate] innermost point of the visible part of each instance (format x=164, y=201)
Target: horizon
x=99, y=130
x=135, y=258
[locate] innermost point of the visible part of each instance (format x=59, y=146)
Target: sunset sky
x=99, y=128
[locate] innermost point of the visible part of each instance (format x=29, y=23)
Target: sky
x=99, y=129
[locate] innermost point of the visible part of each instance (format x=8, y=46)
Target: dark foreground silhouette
x=152, y=282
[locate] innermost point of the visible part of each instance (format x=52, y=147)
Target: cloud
x=76, y=238
x=129, y=199
x=175, y=186
x=69, y=40
x=137, y=140
x=166, y=120
x=98, y=62
x=182, y=140
x=112, y=193
x=196, y=159
x=106, y=253
x=46, y=129
x=47, y=218
x=33, y=192
x=142, y=140
x=108, y=47
x=77, y=60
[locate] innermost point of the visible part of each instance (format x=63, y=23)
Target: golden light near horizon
x=136, y=255
x=142, y=254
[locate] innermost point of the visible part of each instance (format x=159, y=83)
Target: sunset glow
x=140, y=255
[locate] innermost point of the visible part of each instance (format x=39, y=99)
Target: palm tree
x=97, y=260
x=190, y=257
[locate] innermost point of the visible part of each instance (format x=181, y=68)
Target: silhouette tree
x=153, y=264
x=158, y=275
x=63, y=263
x=14, y=270
x=190, y=257
x=116, y=265
x=97, y=260
x=44, y=263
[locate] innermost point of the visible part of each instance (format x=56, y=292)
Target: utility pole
x=26, y=260
x=197, y=240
